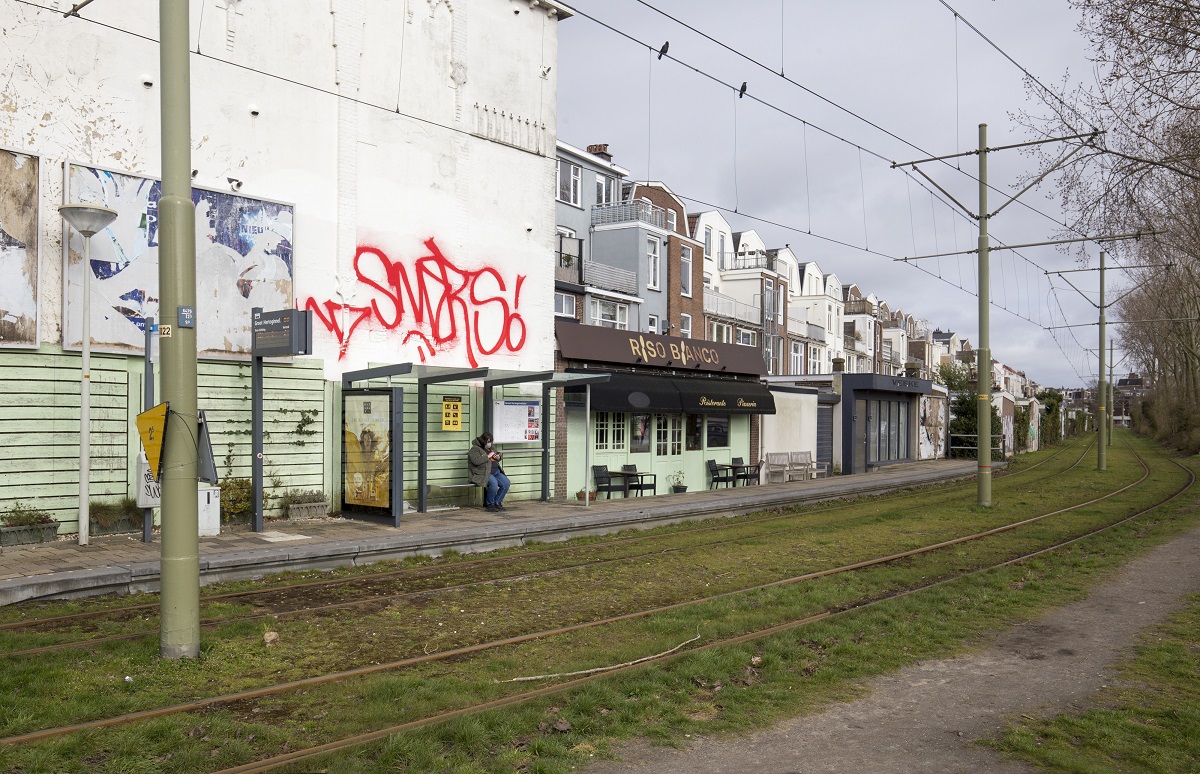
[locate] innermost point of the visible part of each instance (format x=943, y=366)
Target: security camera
x=234, y=183
x=194, y=173
x=254, y=110
x=147, y=81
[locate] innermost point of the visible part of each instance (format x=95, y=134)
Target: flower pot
x=307, y=510
x=677, y=489
x=35, y=533
x=116, y=527
x=580, y=496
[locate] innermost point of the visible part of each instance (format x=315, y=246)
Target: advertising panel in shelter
x=243, y=260
x=18, y=249
x=368, y=450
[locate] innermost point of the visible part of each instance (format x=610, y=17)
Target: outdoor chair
x=747, y=475
x=800, y=465
x=777, y=467
x=641, y=484
x=719, y=476
x=604, y=482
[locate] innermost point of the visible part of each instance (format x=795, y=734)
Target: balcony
x=629, y=212
x=860, y=307
x=605, y=277
x=722, y=305
x=752, y=260
x=798, y=327
x=568, y=266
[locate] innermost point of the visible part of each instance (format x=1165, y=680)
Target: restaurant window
x=639, y=433
x=717, y=431
x=668, y=435
x=609, y=431
x=694, y=424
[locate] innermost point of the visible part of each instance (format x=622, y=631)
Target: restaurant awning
x=724, y=396
x=643, y=393
x=636, y=393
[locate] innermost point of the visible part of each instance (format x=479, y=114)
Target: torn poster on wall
x=243, y=260
x=18, y=249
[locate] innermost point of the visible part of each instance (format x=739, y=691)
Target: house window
x=606, y=189
x=797, y=358
x=652, y=263
x=747, y=337
x=708, y=242
x=685, y=326
x=722, y=332
x=671, y=221
x=814, y=360
x=685, y=272
x=568, y=183
x=721, y=252
x=652, y=323
x=609, y=314
x=570, y=249
x=564, y=305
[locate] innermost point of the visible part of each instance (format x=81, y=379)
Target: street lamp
x=87, y=220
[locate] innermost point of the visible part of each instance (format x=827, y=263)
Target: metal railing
x=967, y=446
x=723, y=306
x=602, y=275
x=753, y=260
x=629, y=212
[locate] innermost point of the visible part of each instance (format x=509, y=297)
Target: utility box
x=209, y=510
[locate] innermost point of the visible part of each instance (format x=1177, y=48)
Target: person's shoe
x=491, y=508
x=500, y=507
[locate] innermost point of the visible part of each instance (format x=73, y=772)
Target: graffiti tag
x=434, y=302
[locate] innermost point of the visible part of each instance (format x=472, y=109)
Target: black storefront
x=880, y=416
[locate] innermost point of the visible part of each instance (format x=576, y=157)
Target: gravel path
x=924, y=718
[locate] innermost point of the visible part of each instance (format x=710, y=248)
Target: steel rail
x=272, y=690
x=274, y=762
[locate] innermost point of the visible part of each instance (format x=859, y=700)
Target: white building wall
x=405, y=135
x=793, y=426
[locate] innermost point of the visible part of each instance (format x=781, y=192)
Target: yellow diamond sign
x=152, y=427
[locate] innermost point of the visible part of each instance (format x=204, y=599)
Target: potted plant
x=677, y=482
x=304, y=503
x=21, y=526
x=107, y=518
x=583, y=494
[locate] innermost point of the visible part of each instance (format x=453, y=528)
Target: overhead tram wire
x=1018, y=65
x=830, y=102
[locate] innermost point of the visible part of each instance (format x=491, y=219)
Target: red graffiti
x=437, y=304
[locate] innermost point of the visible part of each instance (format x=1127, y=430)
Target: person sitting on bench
x=484, y=470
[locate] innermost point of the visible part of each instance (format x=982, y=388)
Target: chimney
x=601, y=151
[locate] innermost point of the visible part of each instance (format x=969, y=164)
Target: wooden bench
x=448, y=492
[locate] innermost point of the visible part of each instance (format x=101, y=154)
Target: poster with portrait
x=243, y=260
x=367, y=453
x=19, y=269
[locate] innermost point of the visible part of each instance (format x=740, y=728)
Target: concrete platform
x=123, y=563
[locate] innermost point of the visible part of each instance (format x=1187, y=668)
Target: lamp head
x=87, y=218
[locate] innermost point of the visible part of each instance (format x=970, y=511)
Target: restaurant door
x=668, y=449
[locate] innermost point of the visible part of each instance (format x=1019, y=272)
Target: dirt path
x=924, y=718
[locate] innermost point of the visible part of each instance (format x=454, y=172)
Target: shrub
x=18, y=515
x=237, y=499
x=301, y=497
x=104, y=514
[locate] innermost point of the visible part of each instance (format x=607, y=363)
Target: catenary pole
x=180, y=601
x=1101, y=390
x=1112, y=395
x=983, y=455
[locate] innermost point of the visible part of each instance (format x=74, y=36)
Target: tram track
x=258, y=693
x=381, y=599
x=312, y=753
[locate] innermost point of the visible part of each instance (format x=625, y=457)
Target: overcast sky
x=910, y=68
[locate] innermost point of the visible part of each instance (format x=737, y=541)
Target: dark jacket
x=479, y=467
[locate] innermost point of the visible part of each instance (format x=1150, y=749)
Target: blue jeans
x=497, y=487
